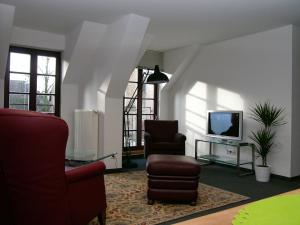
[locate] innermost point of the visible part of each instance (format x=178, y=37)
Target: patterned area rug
x=127, y=201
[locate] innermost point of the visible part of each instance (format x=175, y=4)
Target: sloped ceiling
x=173, y=23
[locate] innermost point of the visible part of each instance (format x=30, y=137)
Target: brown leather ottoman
x=172, y=178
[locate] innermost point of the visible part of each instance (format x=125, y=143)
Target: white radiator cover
x=86, y=135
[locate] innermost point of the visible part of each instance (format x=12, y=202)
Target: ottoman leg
x=150, y=202
x=193, y=203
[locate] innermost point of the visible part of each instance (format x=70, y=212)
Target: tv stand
x=237, y=162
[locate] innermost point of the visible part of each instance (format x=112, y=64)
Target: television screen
x=225, y=124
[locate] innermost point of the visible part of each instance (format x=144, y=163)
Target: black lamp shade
x=157, y=77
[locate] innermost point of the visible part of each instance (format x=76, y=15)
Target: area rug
x=127, y=201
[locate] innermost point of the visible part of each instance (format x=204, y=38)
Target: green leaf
x=267, y=114
x=263, y=141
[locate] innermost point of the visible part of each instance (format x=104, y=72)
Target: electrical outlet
x=230, y=151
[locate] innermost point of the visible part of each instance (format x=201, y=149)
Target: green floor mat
x=278, y=210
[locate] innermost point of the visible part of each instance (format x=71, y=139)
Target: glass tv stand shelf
x=237, y=162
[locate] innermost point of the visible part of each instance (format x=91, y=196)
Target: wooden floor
x=221, y=218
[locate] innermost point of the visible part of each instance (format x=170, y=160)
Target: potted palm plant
x=269, y=117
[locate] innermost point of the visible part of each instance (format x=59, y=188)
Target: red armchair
x=34, y=187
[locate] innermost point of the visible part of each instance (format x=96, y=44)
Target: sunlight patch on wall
x=65, y=66
x=191, y=135
x=199, y=90
x=195, y=115
x=196, y=105
x=228, y=100
x=198, y=123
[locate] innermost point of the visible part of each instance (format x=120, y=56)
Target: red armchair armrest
x=84, y=172
x=86, y=188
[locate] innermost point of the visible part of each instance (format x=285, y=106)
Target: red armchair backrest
x=162, y=130
x=32, y=149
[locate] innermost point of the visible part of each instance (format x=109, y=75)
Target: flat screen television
x=227, y=125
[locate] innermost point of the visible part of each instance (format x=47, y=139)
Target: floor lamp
x=156, y=77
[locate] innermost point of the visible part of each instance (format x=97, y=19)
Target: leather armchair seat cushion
x=165, y=146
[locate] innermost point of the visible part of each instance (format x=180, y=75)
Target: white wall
x=70, y=42
x=7, y=13
x=175, y=57
x=1, y=93
x=235, y=74
x=119, y=52
x=82, y=44
x=150, y=59
x=84, y=74
x=6, y=25
x=113, y=128
x=37, y=39
x=99, y=61
x=296, y=104
x=69, y=102
x=175, y=61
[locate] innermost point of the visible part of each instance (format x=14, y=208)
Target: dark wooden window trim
x=33, y=76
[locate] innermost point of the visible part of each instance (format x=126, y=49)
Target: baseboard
x=134, y=156
x=296, y=178
x=117, y=170
x=286, y=178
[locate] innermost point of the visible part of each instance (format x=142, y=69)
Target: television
x=226, y=125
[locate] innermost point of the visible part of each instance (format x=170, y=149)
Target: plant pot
x=262, y=173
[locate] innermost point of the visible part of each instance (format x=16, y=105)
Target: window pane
x=132, y=122
x=130, y=90
x=147, y=73
x=45, y=103
x=19, y=83
x=46, y=65
x=45, y=85
x=45, y=108
x=146, y=117
x=142, y=141
x=134, y=76
x=148, y=106
x=133, y=109
x=131, y=140
x=22, y=107
x=148, y=91
x=19, y=62
x=18, y=101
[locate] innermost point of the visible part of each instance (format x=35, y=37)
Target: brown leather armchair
x=162, y=137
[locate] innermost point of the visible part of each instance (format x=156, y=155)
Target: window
x=144, y=98
x=32, y=80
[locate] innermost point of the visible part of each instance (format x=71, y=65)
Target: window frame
x=139, y=114
x=33, y=73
